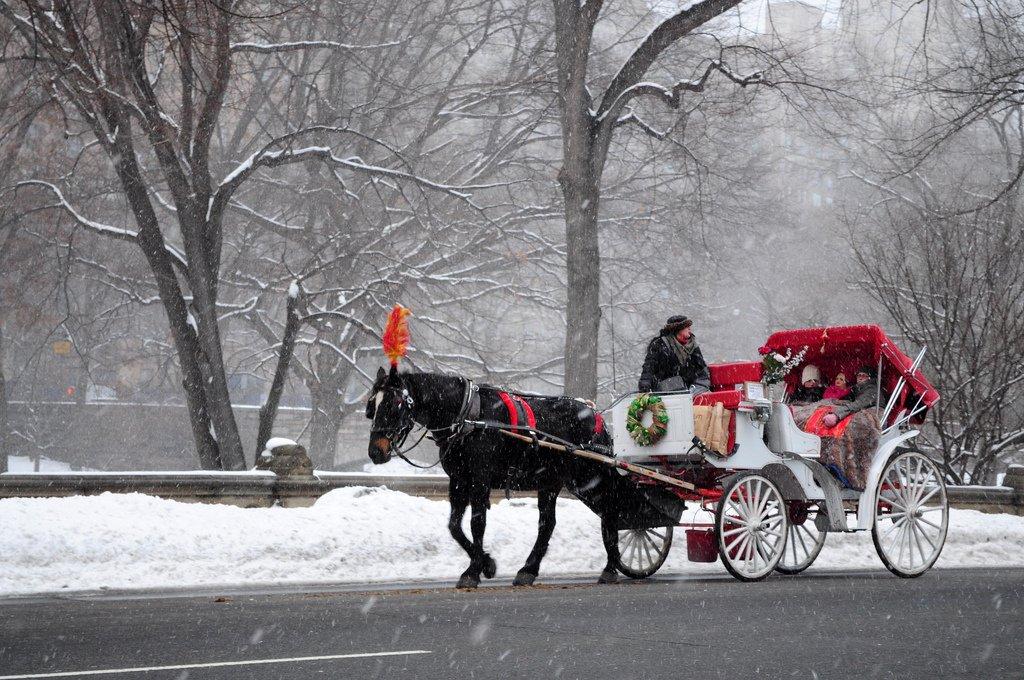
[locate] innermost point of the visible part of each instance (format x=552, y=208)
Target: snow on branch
x=631, y=117
x=689, y=18
x=673, y=97
x=269, y=157
x=268, y=48
x=119, y=233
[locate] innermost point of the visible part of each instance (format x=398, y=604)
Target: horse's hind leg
x=610, y=539
x=546, y=525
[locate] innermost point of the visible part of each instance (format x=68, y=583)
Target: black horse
x=479, y=459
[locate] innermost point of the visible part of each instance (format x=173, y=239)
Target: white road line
x=216, y=664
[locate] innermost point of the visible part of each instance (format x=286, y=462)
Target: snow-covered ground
x=397, y=466
x=351, y=534
x=26, y=464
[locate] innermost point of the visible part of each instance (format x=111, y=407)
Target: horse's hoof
x=608, y=576
x=524, y=579
x=490, y=567
x=468, y=582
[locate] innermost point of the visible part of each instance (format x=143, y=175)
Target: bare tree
x=151, y=84
x=355, y=247
x=589, y=122
x=956, y=284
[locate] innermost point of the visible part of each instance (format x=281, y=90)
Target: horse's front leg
x=459, y=499
x=610, y=539
x=482, y=562
x=546, y=500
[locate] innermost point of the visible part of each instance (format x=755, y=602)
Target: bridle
x=398, y=434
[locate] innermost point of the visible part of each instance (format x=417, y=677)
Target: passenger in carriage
x=838, y=389
x=863, y=395
x=810, y=389
x=674, y=360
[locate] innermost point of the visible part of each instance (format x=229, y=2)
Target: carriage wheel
x=803, y=540
x=641, y=552
x=911, y=514
x=750, y=522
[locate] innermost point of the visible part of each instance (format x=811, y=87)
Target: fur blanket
x=851, y=451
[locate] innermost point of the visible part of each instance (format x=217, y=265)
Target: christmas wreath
x=652, y=434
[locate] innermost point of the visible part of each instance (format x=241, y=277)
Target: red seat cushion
x=730, y=399
x=727, y=376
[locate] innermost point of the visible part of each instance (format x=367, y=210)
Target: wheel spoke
x=739, y=547
x=631, y=548
x=647, y=550
x=917, y=543
x=931, y=493
x=926, y=537
x=918, y=484
x=762, y=507
x=743, y=494
x=891, y=501
x=803, y=543
x=894, y=531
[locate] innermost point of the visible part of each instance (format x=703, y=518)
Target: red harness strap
x=516, y=405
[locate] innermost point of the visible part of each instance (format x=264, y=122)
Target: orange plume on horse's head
x=396, y=334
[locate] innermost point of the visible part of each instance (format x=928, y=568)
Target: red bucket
x=701, y=545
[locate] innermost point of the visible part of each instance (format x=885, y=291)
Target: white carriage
x=774, y=502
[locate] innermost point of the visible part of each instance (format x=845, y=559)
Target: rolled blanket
x=849, y=446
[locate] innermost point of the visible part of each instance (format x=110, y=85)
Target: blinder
x=403, y=405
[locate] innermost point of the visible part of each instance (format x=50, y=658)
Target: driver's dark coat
x=661, y=363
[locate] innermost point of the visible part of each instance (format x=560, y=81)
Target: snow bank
x=352, y=534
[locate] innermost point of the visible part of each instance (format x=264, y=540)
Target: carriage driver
x=674, y=361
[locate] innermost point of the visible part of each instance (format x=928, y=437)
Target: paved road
x=949, y=623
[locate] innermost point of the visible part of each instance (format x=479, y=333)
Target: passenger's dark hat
x=676, y=323
x=868, y=370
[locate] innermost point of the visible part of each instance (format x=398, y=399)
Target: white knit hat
x=810, y=372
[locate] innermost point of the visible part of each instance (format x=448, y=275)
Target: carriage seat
x=785, y=437
x=730, y=375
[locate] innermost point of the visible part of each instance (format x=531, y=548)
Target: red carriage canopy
x=844, y=349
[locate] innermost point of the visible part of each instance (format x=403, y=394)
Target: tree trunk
x=323, y=427
x=218, y=398
x=269, y=409
x=186, y=344
x=583, y=266
x=4, y=419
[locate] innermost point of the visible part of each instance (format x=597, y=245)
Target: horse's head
x=390, y=407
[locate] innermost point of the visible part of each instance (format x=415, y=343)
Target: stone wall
x=126, y=436
x=264, y=488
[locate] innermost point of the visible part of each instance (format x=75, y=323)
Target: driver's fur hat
x=675, y=324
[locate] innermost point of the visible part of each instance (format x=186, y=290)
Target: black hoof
x=524, y=579
x=608, y=576
x=468, y=581
x=490, y=567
